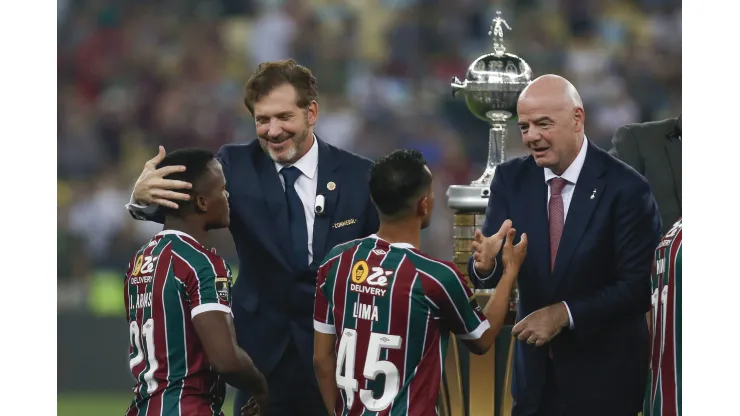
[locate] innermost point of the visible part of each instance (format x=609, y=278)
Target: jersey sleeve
x=456, y=303
x=323, y=320
x=208, y=284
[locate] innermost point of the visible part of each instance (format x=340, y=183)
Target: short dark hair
x=196, y=166
x=273, y=74
x=396, y=180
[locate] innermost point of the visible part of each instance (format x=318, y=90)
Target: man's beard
x=290, y=155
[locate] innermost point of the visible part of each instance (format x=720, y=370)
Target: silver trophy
x=491, y=89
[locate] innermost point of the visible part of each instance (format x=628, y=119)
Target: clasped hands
x=540, y=326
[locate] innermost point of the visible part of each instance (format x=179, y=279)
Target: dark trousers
x=550, y=405
x=292, y=386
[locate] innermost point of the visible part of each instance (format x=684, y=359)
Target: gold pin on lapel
x=331, y=186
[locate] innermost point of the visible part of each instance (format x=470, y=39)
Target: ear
x=201, y=204
x=313, y=113
x=579, y=116
x=423, y=206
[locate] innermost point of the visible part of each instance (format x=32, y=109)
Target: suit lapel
x=537, y=228
x=673, y=148
x=274, y=194
x=327, y=173
x=581, y=208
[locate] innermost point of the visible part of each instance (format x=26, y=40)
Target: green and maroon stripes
x=147, y=402
x=669, y=381
x=678, y=334
x=340, y=296
x=380, y=255
x=423, y=298
x=363, y=252
x=175, y=341
x=201, y=268
x=442, y=289
x=664, y=396
x=183, y=277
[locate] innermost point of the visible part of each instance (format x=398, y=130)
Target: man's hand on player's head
x=152, y=188
x=485, y=249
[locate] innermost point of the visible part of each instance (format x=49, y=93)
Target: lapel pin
x=593, y=194
x=331, y=186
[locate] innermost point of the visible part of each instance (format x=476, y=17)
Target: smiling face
x=551, y=120
x=283, y=128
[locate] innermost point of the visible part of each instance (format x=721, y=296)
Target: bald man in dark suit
x=654, y=150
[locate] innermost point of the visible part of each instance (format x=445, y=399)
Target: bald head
x=551, y=119
x=555, y=88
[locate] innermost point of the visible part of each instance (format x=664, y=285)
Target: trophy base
x=487, y=378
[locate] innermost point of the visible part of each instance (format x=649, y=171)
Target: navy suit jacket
x=272, y=301
x=602, y=270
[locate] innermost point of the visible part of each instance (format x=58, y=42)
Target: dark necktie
x=557, y=217
x=296, y=218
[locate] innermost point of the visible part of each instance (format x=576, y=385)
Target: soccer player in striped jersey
x=392, y=307
x=664, y=377
x=182, y=343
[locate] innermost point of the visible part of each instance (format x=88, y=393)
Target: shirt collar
x=176, y=232
x=308, y=163
x=574, y=170
x=399, y=245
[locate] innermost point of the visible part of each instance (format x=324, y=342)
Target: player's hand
x=485, y=249
x=152, y=188
x=262, y=402
x=251, y=408
x=513, y=255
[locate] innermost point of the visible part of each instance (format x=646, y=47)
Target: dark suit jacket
x=654, y=150
x=273, y=302
x=602, y=271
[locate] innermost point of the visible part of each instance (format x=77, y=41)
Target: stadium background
x=135, y=74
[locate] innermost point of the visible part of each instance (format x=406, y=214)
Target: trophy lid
x=494, y=81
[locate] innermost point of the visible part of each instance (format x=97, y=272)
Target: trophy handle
x=457, y=86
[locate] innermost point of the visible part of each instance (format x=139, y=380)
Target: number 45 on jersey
x=373, y=368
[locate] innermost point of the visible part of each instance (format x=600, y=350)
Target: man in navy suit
x=293, y=197
x=584, y=288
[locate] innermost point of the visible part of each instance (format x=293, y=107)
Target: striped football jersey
x=392, y=309
x=664, y=377
x=169, y=281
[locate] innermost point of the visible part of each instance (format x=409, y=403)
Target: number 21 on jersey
x=148, y=336
x=373, y=368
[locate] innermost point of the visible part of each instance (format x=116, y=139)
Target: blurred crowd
x=135, y=74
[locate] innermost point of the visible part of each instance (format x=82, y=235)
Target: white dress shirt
x=305, y=187
x=571, y=176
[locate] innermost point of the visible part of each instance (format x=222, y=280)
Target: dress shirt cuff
x=144, y=209
x=570, y=317
x=483, y=279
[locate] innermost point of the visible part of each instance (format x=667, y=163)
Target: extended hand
x=541, y=326
x=513, y=255
x=152, y=188
x=251, y=408
x=485, y=249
